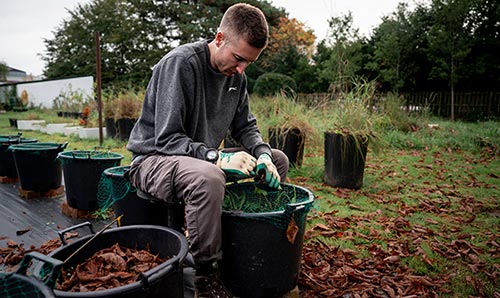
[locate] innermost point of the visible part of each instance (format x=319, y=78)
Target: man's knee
x=281, y=162
x=209, y=181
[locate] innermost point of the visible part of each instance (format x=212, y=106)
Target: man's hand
x=267, y=170
x=240, y=164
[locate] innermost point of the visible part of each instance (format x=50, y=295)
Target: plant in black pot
x=128, y=109
x=109, y=111
x=352, y=127
x=288, y=126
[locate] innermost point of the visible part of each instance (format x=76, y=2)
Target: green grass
x=440, y=184
x=431, y=196
x=74, y=142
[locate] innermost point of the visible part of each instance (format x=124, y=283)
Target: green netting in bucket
x=95, y=155
x=113, y=186
x=261, y=202
x=89, y=165
x=262, y=236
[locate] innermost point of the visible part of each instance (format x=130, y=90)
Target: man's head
x=242, y=35
x=246, y=21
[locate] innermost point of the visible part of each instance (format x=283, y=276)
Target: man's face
x=233, y=55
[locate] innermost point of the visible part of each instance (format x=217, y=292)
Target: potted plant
x=128, y=109
x=288, y=126
x=109, y=111
x=351, y=129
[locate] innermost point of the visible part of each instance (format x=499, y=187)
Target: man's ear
x=219, y=37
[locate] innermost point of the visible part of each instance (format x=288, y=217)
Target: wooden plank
x=5, y=179
x=73, y=212
x=51, y=193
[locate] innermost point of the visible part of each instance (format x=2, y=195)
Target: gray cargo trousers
x=200, y=185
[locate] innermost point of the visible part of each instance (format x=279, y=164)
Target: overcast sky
x=25, y=23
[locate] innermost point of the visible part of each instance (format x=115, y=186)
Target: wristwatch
x=212, y=155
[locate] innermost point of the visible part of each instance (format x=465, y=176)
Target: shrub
x=274, y=83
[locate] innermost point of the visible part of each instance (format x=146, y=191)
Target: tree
x=135, y=34
x=483, y=63
x=449, y=41
x=342, y=53
x=131, y=41
x=389, y=42
x=290, y=49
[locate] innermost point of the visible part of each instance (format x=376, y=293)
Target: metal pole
x=98, y=79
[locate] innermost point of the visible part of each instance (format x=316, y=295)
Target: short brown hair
x=248, y=21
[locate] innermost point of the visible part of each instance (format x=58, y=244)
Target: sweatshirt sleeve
x=165, y=105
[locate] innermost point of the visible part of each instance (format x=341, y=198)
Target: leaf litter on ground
x=429, y=229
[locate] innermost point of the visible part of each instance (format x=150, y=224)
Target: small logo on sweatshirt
x=232, y=89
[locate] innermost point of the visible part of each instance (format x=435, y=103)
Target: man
x=196, y=94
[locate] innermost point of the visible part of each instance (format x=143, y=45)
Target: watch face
x=212, y=155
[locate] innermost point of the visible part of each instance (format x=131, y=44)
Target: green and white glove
x=267, y=170
x=237, y=164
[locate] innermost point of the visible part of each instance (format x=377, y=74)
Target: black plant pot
x=82, y=193
x=37, y=165
x=7, y=165
x=110, y=127
x=291, y=143
x=125, y=126
x=345, y=160
x=135, y=210
x=252, y=267
x=13, y=122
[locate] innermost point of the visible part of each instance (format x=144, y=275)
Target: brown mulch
x=13, y=252
x=333, y=271
x=108, y=268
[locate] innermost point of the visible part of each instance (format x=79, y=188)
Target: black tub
x=118, y=192
x=7, y=165
x=262, y=249
x=82, y=193
x=37, y=165
x=165, y=280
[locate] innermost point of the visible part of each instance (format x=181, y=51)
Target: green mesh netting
x=35, y=277
x=82, y=155
x=14, y=285
x=259, y=202
x=113, y=186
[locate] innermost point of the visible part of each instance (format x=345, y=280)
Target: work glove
x=237, y=164
x=267, y=171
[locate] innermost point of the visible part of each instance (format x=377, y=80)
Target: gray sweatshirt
x=189, y=107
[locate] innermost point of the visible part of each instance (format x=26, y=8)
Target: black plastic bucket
x=344, y=160
x=291, y=142
x=37, y=165
x=165, y=280
x=13, y=122
x=110, y=127
x=135, y=210
x=262, y=250
x=82, y=172
x=19, y=284
x=7, y=165
x=125, y=126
